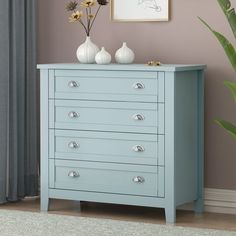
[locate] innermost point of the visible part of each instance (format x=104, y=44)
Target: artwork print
x=152, y=4
x=140, y=10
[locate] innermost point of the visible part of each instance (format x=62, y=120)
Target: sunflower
x=88, y=3
x=76, y=16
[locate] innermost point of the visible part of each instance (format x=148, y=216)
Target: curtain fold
x=19, y=141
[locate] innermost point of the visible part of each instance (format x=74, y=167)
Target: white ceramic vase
x=103, y=57
x=124, y=55
x=87, y=51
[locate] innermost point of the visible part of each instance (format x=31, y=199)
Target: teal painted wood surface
x=170, y=162
x=107, y=147
x=95, y=73
x=118, y=67
x=186, y=134
x=107, y=85
x=171, y=133
x=109, y=116
x=44, y=140
x=108, y=198
x=199, y=203
x=107, y=177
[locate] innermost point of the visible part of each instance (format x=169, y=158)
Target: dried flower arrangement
x=90, y=12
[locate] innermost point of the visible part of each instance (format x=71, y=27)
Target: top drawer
x=107, y=85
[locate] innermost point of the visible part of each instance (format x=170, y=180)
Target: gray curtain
x=19, y=149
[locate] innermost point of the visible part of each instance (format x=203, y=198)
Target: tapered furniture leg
x=77, y=205
x=199, y=206
x=44, y=203
x=170, y=213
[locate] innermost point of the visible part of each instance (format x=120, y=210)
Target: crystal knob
x=73, y=84
x=73, y=145
x=138, y=117
x=138, y=148
x=138, y=180
x=73, y=174
x=138, y=86
x=73, y=114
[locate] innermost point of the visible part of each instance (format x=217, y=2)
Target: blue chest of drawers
x=124, y=134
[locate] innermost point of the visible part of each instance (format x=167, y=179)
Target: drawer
x=107, y=116
x=108, y=85
x=147, y=149
x=107, y=178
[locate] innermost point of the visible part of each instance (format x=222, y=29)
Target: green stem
x=94, y=18
x=86, y=31
x=87, y=14
x=90, y=12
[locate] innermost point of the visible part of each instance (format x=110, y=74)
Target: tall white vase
x=87, y=51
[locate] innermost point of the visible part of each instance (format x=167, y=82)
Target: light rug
x=19, y=223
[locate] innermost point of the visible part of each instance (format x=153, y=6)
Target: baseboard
x=217, y=201
x=220, y=201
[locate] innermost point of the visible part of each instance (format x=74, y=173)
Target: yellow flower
x=76, y=16
x=88, y=3
x=90, y=16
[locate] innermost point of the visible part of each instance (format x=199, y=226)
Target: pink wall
x=181, y=40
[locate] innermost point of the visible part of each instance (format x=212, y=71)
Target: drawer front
x=107, y=147
x=108, y=85
x=107, y=116
x=107, y=178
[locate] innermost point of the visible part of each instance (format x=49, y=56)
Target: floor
x=129, y=213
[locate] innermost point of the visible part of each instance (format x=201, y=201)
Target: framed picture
x=140, y=10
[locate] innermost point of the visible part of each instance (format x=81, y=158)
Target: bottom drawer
x=107, y=178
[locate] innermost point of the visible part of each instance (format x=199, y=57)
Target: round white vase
x=103, y=57
x=124, y=55
x=87, y=51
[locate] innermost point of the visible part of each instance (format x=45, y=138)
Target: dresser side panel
x=186, y=136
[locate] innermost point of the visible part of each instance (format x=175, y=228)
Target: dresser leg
x=199, y=206
x=77, y=205
x=44, y=204
x=170, y=213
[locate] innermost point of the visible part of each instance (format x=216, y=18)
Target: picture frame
x=139, y=10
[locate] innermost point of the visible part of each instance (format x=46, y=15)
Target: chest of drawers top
x=129, y=67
